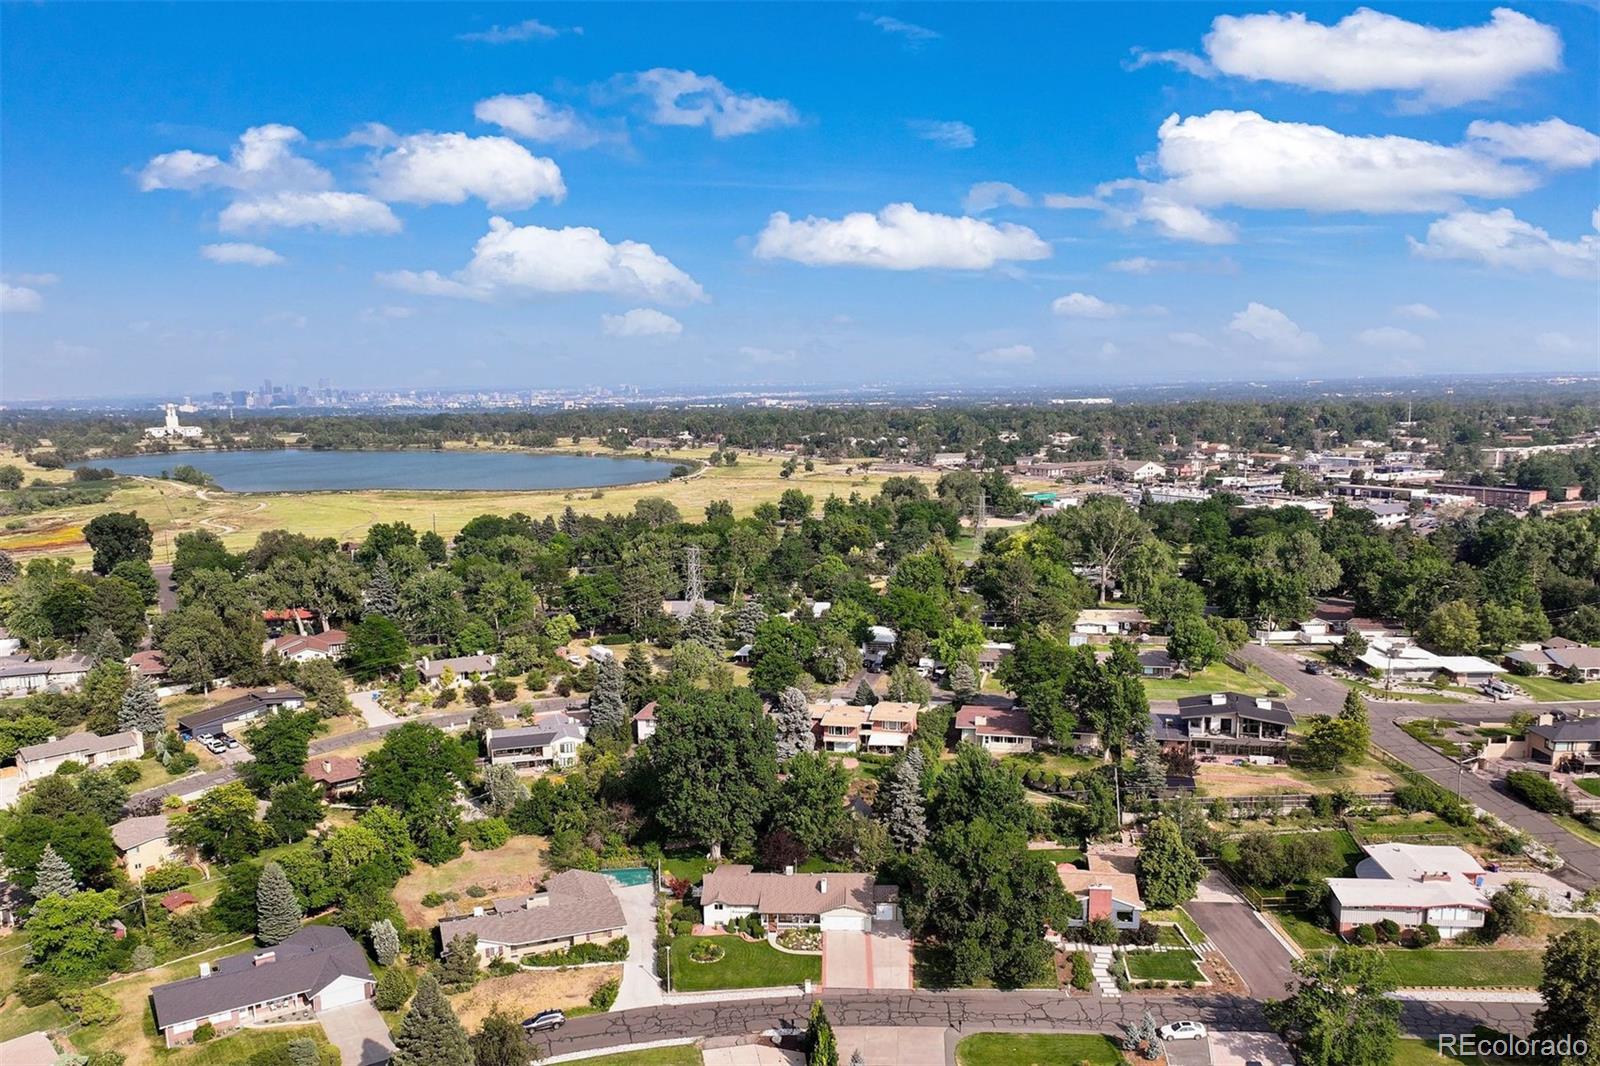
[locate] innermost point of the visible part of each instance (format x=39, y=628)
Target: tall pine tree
x=608, y=711
x=701, y=627
x=278, y=910
x=53, y=876
x=793, y=722
x=385, y=942
x=637, y=675
x=141, y=708
x=383, y=595
x=431, y=1034
x=901, y=806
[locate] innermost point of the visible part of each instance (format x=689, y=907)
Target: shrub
x=1082, y=971
x=1388, y=930
x=1366, y=934
x=1538, y=792
x=36, y=989
x=1101, y=931
x=505, y=691
x=125, y=773
x=165, y=878
x=751, y=926
x=479, y=695
x=486, y=834
x=613, y=951
x=605, y=996
x=476, y=891
x=394, y=988
x=1425, y=936
x=432, y=899
x=1144, y=936
x=91, y=1007
x=502, y=968
x=204, y=1032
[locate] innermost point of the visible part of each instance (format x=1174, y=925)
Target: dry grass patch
x=531, y=991
x=1223, y=779
x=517, y=867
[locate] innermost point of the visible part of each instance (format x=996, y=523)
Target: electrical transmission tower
x=977, y=519
x=694, y=588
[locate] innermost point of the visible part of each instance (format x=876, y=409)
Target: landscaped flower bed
x=807, y=939
x=706, y=951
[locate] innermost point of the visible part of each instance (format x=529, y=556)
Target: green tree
x=1169, y=870
x=279, y=746
x=1339, y=1013
x=792, y=724
x=294, y=810
x=1452, y=629
x=1511, y=912
x=415, y=764
x=69, y=937
x=115, y=536
x=502, y=788
x=54, y=876
x=1571, y=991
x=809, y=801
x=822, y=1047
x=375, y=646
x=900, y=804
x=1193, y=644
x=385, y=942
x=278, y=912
x=382, y=593
x=117, y=607
x=1103, y=532
x=714, y=763
x=431, y=1034
x=221, y=824
x=1357, y=726
x=977, y=785
x=323, y=682
x=500, y=1041
x=608, y=710
x=140, y=710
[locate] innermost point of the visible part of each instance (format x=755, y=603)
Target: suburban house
x=151, y=665
x=29, y=1049
x=223, y=718
x=682, y=609
x=13, y=897
x=143, y=844
x=40, y=675
x=574, y=907
x=339, y=775
x=1109, y=622
x=1156, y=663
x=1227, y=723
x=10, y=644
x=1140, y=470
x=551, y=742
x=878, y=645
x=997, y=725
x=993, y=653
x=837, y=901
x=1402, y=660
x=37, y=761
x=644, y=722
x=1412, y=885
x=1558, y=655
x=315, y=969
x=883, y=728
x=296, y=618
x=462, y=666
x=302, y=649
x=1109, y=888
x=1573, y=745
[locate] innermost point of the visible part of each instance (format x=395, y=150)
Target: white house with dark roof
x=314, y=970
x=462, y=666
x=37, y=761
x=1557, y=656
x=1227, y=723
x=20, y=677
x=574, y=907
x=1412, y=885
x=552, y=742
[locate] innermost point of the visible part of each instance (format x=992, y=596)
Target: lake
x=302, y=470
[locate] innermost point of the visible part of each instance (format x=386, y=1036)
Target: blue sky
x=196, y=197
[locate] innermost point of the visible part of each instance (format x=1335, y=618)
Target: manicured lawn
x=1054, y=762
x=1431, y=732
x=1162, y=966
x=1411, y=1052
x=681, y=1055
x=1576, y=828
x=1414, y=827
x=1036, y=1049
x=1464, y=967
x=1060, y=855
x=1550, y=689
x=1218, y=677
x=1590, y=785
x=686, y=865
x=1306, y=933
x=743, y=965
x=1177, y=916
x=238, y=1048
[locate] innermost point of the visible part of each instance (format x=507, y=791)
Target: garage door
x=342, y=993
x=847, y=920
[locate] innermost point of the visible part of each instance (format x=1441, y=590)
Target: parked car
x=544, y=1021
x=1314, y=667
x=230, y=742
x=1184, y=1030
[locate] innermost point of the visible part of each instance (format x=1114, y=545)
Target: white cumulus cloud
x=641, y=322
x=240, y=254
x=987, y=195
x=1420, y=312
x=512, y=260
x=684, y=98
x=263, y=159
x=1275, y=329
x=15, y=299
x=914, y=36
x=1369, y=51
x=448, y=168
x=1008, y=355
x=533, y=118
x=334, y=212
x=526, y=30
x=1553, y=142
x=899, y=237
x=1082, y=305
x=1499, y=238
x=946, y=134
x=1391, y=338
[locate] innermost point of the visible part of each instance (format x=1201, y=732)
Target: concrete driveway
x=892, y=1045
x=1188, y=1053
x=845, y=962
x=640, y=987
x=1258, y=957
x=359, y=1032
x=889, y=949
x=1237, y=1049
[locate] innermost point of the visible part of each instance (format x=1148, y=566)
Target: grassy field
x=1303, y=932
x=1218, y=677
x=1464, y=967
x=1037, y=1049
x=1420, y=827
x=531, y=991
x=743, y=965
x=1177, y=916
x=1590, y=785
x=172, y=507
x=1221, y=779
x=1162, y=966
x=682, y=1055
x=1552, y=690
x=1411, y=1052
x=516, y=867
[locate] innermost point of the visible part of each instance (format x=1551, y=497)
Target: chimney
x=788, y=871
x=327, y=766
x=477, y=912
x=1099, y=902
x=1263, y=703
x=205, y=969
x=264, y=957
x=822, y=884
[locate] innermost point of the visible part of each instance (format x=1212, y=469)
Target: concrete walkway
x=640, y=986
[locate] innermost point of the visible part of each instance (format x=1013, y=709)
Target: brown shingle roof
x=739, y=886
x=575, y=903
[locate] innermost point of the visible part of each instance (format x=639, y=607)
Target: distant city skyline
x=200, y=197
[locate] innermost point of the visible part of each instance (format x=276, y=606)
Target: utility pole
x=978, y=518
